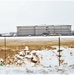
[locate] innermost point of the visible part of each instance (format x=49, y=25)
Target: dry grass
x=14, y=46
x=61, y=61
x=33, y=45
x=68, y=44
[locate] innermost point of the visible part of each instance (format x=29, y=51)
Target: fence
x=10, y=47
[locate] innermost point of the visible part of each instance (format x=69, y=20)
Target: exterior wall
x=41, y=30
x=63, y=29
x=51, y=29
x=23, y=31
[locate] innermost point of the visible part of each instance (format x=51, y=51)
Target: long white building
x=44, y=30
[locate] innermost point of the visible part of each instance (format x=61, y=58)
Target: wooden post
x=59, y=51
x=5, y=49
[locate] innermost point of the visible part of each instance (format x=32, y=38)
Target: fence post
x=59, y=51
x=5, y=48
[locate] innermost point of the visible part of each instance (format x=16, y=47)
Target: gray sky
x=15, y=13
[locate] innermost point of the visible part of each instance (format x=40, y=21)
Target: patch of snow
x=18, y=56
x=26, y=48
x=1, y=60
x=29, y=56
x=49, y=63
x=22, y=53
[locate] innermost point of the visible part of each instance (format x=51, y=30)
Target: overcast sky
x=21, y=13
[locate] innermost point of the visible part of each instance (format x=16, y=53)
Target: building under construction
x=43, y=30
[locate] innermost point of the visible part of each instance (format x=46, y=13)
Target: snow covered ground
x=48, y=62
x=41, y=61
